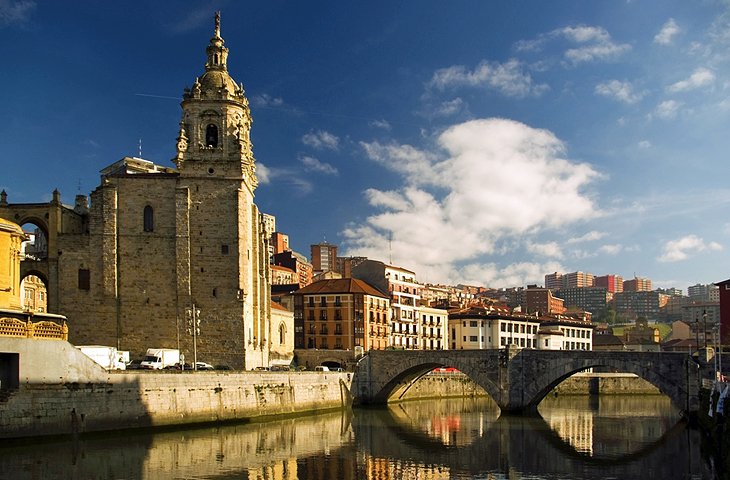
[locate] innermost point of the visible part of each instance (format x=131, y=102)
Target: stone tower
x=223, y=266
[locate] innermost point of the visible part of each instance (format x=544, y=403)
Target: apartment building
x=324, y=257
x=341, y=314
x=637, y=284
x=405, y=299
x=541, y=301
x=612, y=283
x=434, y=328
x=494, y=327
x=591, y=299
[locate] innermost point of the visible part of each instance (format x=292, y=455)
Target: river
x=580, y=437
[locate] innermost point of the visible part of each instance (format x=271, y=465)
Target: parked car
x=321, y=368
x=203, y=366
x=223, y=367
x=280, y=368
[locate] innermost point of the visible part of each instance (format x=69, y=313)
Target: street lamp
x=704, y=322
x=194, y=330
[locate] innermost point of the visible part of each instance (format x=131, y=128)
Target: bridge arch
x=667, y=373
x=410, y=366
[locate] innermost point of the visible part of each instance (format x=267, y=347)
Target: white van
x=321, y=368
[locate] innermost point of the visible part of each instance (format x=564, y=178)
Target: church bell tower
x=221, y=243
x=214, y=138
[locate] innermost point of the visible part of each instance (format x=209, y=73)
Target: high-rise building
x=591, y=299
x=324, y=257
x=637, y=284
x=577, y=280
x=700, y=292
x=612, y=283
x=554, y=281
x=541, y=301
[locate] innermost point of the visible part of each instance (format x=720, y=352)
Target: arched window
x=282, y=334
x=211, y=135
x=149, y=219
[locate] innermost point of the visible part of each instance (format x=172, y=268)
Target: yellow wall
x=11, y=238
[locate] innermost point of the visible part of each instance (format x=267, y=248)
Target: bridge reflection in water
x=578, y=437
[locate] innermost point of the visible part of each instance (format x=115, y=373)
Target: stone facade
x=157, y=240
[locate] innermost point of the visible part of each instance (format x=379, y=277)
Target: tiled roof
x=340, y=285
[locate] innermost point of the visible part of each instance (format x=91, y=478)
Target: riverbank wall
x=50, y=388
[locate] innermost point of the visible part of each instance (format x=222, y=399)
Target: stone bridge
x=519, y=379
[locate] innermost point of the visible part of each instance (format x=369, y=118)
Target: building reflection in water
x=432, y=440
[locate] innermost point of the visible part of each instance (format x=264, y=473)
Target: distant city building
x=633, y=305
x=341, y=314
x=702, y=318
x=283, y=275
x=297, y=262
x=345, y=264
x=637, y=284
x=541, y=301
x=671, y=291
x=706, y=293
x=435, y=294
x=591, y=299
x=556, y=281
x=35, y=296
x=279, y=243
x=612, y=283
x=324, y=257
x=405, y=298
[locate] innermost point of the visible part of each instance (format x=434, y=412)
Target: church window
x=148, y=219
x=282, y=334
x=84, y=279
x=211, y=135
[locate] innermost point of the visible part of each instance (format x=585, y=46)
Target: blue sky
x=472, y=142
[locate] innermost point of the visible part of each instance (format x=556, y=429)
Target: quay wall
x=65, y=394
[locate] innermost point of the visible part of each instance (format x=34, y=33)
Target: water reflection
x=579, y=437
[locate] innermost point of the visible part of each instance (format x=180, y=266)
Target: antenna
x=390, y=248
x=140, y=148
x=79, y=185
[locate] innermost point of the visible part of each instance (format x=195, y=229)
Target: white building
x=494, y=327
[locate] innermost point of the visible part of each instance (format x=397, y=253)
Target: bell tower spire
x=217, y=53
x=214, y=139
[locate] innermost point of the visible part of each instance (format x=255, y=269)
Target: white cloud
x=263, y=174
x=266, y=100
x=595, y=44
x=682, y=248
x=667, y=109
x=384, y=124
x=450, y=107
x=485, y=184
x=508, y=78
x=644, y=144
x=12, y=13
x=283, y=176
x=321, y=139
x=669, y=30
x=702, y=77
x=550, y=249
x=621, y=91
x=588, y=237
x=614, y=249
x=313, y=165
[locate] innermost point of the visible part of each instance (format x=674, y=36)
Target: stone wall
x=71, y=394
x=605, y=384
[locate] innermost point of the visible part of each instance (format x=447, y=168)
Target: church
x=165, y=257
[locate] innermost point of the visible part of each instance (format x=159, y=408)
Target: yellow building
x=11, y=239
